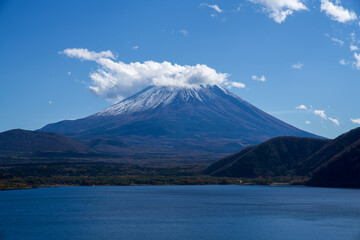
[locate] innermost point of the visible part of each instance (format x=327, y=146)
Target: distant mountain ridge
x=19, y=142
x=170, y=123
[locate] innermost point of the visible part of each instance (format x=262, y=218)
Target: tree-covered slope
x=276, y=157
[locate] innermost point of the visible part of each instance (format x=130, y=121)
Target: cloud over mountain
x=116, y=80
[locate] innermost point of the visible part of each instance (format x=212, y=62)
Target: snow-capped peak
x=159, y=96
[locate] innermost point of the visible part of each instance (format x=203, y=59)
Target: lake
x=181, y=212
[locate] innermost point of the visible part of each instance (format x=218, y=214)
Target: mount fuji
x=176, y=124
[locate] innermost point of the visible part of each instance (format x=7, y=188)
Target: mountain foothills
x=160, y=122
x=342, y=168
x=43, y=159
x=21, y=142
x=276, y=157
x=326, y=163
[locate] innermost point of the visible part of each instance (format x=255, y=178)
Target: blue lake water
x=181, y=212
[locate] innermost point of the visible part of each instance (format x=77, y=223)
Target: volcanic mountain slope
x=20, y=142
x=203, y=123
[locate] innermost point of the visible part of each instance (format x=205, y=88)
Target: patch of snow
x=160, y=96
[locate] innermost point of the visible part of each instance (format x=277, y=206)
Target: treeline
x=33, y=175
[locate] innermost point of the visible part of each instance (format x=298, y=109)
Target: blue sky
x=282, y=56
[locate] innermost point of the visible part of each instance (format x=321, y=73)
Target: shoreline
x=134, y=185
x=191, y=181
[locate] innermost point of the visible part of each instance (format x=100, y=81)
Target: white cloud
x=355, y=120
x=343, y=62
x=356, y=63
x=352, y=37
x=353, y=48
x=334, y=121
x=116, y=80
x=320, y=113
x=84, y=54
x=50, y=102
x=237, y=84
x=136, y=47
x=215, y=7
x=278, y=10
x=258, y=78
x=184, y=32
x=69, y=73
x=340, y=42
x=297, y=66
x=337, y=12
x=301, y=107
